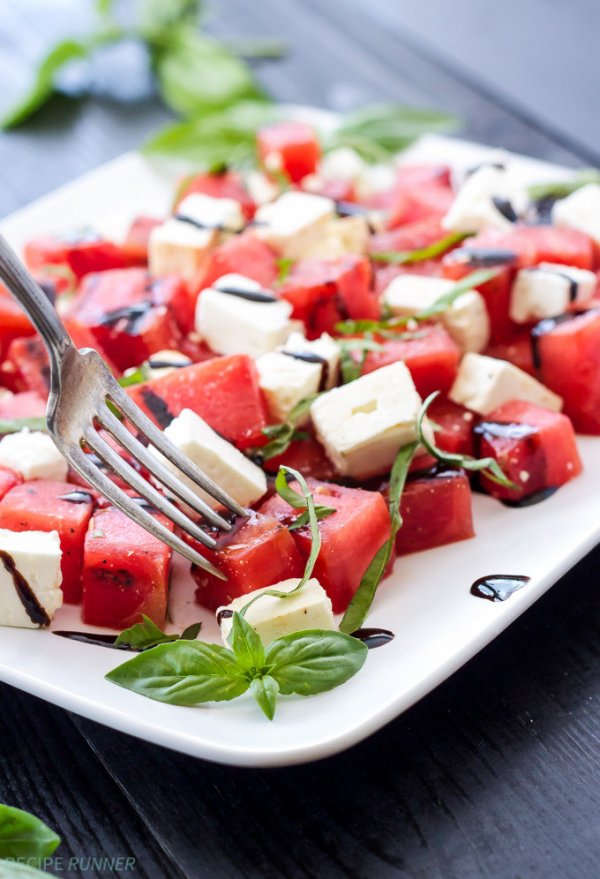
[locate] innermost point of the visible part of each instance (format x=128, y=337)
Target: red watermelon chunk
x=27, y=366
x=350, y=537
x=436, y=510
x=432, y=358
x=13, y=321
x=135, y=246
x=259, y=552
x=224, y=391
x=220, y=184
x=26, y=404
x=52, y=506
x=453, y=426
x=82, y=253
x=8, y=480
x=535, y=448
x=292, y=146
x=306, y=455
x=125, y=572
x=243, y=254
x=413, y=236
x=567, y=354
x=570, y=247
x=324, y=292
x=132, y=315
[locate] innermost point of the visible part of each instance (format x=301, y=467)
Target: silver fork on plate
x=81, y=389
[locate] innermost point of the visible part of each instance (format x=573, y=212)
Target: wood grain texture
x=495, y=774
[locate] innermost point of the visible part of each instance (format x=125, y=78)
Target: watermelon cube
x=219, y=184
x=28, y=366
x=8, y=480
x=290, y=148
x=258, y=552
x=135, y=245
x=125, y=572
x=535, y=448
x=224, y=391
x=453, y=426
x=52, y=506
x=81, y=253
x=436, y=510
x=243, y=254
x=350, y=538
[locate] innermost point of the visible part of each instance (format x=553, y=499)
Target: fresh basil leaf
x=488, y=466
x=314, y=661
x=351, y=367
x=562, y=188
x=14, y=425
x=158, y=19
x=246, y=645
x=15, y=870
x=24, y=836
x=265, y=689
x=284, y=266
x=362, y=599
x=281, y=435
x=257, y=47
x=379, y=131
x=43, y=86
x=402, y=257
x=183, y=673
x=304, y=518
x=196, y=73
x=225, y=135
x=135, y=376
x=142, y=636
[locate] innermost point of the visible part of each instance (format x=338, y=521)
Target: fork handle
x=33, y=300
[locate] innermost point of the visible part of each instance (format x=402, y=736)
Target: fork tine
x=153, y=464
x=92, y=474
x=146, y=427
x=123, y=469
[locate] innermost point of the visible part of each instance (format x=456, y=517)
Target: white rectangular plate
x=426, y=602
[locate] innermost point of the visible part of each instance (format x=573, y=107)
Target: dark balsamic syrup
x=198, y=224
x=504, y=429
x=373, y=637
x=132, y=317
x=500, y=166
x=482, y=256
x=77, y=496
x=350, y=209
x=530, y=500
x=498, y=587
x=157, y=406
x=168, y=364
x=504, y=207
x=36, y=613
x=249, y=295
x=224, y=614
x=546, y=326
x=310, y=357
x=99, y=639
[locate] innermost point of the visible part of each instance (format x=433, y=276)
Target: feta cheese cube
x=341, y=236
x=260, y=189
x=342, y=164
x=30, y=578
x=324, y=347
x=33, y=455
x=165, y=362
x=374, y=179
x=293, y=224
x=483, y=199
x=286, y=381
x=548, y=290
x=216, y=457
x=224, y=214
x=230, y=324
x=484, y=383
x=179, y=248
x=271, y=618
x=466, y=320
x=363, y=424
x=580, y=210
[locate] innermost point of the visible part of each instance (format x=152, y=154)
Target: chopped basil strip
x=404, y=257
x=142, y=636
x=14, y=425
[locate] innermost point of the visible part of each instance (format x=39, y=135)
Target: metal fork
x=81, y=388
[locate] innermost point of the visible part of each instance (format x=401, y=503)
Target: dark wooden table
x=495, y=774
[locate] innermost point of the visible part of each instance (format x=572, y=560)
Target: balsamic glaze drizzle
x=483, y=256
x=504, y=429
x=131, y=315
x=350, y=209
x=546, y=326
x=536, y=497
x=249, y=295
x=498, y=587
x=219, y=227
x=311, y=357
x=168, y=364
x=77, y=496
x=224, y=614
x=504, y=207
x=373, y=637
x=100, y=639
x=157, y=406
x=34, y=610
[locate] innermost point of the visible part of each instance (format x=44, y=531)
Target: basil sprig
x=406, y=257
x=14, y=425
x=350, y=366
x=135, y=376
x=562, y=188
x=361, y=602
x=304, y=501
x=474, y=279
x=488, y=466
x=193, y=672
x=281, y=435
x=24, y=836
x=144, y=635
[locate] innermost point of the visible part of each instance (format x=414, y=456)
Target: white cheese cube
x=165, y=362
x=479, y=201
x=341, y=236
x=363, y=424
x=466, y=320
x=230, y=324
x=224, y=214
x=218, y=459
x=374, y=179
x=260, y=189
x=580, y=210
x=483, y=383
x=325, y=347
x=285, y=381
x=179, y=248
x=271, y=618
x=342, y=164
x=33, y=455
x=30, y=578
x=548, y=290
x=293, y=224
